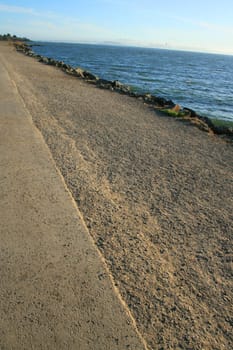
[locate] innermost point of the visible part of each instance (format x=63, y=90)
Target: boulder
x=104, y=84
x=59, y=64
x=118, y=86
x=52, y=62
x=79, y=72
x=89, y=76
x=66, y=66
x=192, y=113
x=157, y=101
x=44, y=60
x=148, y=98
x=85, y=74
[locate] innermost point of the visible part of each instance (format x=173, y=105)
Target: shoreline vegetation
x=166, y=107
x=9, y=37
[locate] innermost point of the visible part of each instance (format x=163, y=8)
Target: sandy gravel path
x=156, y=195
x=55, y=290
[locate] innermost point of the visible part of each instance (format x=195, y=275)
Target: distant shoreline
x=115, y=44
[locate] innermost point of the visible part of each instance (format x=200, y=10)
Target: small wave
x=200, y=82
x=191, y=82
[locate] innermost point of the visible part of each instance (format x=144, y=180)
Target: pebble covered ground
x=156, y=195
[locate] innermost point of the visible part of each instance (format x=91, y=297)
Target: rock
x=147, y=97
x=59, y=64
x=89, y=76
x=44, y=60
x=160, y=101
x=30, y=53
x=202, y=122
x=63, y=65
x=85, y=75
x=26, y=48
x=133, y=94
x=202, y=125
x=71, y=71
x=223, y=130
x=79, y=72
x=157, y=101
x=117, y=84
x=192, y=113
x=52, y=62
x=104, y=84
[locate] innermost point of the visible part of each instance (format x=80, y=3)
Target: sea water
x=200, y=81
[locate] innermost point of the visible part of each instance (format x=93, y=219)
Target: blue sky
x=202, y=25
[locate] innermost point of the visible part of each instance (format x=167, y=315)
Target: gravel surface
x=156, y=195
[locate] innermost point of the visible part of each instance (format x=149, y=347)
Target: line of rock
x=160, y=103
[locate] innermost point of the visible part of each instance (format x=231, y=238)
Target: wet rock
x=192, y=113
x=117, y=84
x=104, y=84
x=120, y=87
x=158, y=101
x=223, y=130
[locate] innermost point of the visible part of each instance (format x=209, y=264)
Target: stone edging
x=159, y=103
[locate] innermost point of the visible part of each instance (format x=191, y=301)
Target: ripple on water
x=200, y=81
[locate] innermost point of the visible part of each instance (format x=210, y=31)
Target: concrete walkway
x=55, y=291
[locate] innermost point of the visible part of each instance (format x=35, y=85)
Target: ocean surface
x=200, y=81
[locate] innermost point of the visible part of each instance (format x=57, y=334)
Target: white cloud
x=204, y=24
x=44, y=24
x=216, y=28
x=17, y=9
x=27, y=11
x=55, y=22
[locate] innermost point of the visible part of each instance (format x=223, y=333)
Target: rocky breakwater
x=159, y=103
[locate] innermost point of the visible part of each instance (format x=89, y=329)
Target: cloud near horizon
x=61, y=25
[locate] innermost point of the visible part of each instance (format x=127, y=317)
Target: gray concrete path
x=55, y=291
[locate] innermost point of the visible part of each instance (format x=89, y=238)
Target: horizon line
x=116, y=43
